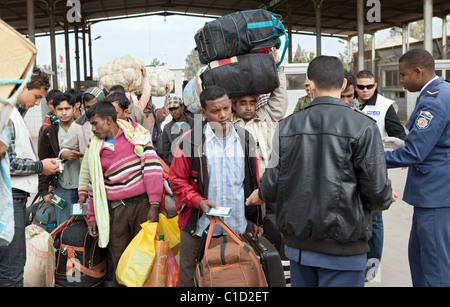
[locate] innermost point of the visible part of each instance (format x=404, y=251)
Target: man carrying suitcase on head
x=329, y=174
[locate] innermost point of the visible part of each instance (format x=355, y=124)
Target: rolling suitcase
x=270, y=260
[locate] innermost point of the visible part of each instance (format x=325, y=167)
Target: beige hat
x=174, y=102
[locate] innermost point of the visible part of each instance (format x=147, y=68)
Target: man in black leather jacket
x=327, y=173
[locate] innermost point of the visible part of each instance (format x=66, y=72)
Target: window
x=392, y=78
x=295, y=81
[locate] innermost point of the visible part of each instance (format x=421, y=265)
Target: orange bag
x=158, y=275
x=173, y=271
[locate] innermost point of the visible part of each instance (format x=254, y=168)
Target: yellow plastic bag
x=171, y=231
x=136, y=262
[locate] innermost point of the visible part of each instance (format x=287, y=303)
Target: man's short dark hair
x=39, y=80
x=418, y=58
x=52, y=94
x=350, y=80
x=327, y=72
x=212, y=92
x=120, y=98
x=117, y=89
x=76, y=94
x=63, y=97
x=365, y=74
x=102, y=110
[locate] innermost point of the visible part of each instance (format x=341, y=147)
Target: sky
x=146, y=38
x=168, y=39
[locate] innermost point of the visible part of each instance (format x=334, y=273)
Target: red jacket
x=189, y=176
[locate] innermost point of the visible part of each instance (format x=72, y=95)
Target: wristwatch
x=154, y=203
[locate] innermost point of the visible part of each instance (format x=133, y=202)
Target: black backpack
x=240, y=33
x=80, y=262
x=41, y=214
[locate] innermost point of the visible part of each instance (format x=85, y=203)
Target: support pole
x=444, y=38
x=318, y=11
x=31, y=21
x=428, y=25
x=51, y=12
x=289, y=12
x=67, y=49
x=77, y=57
x=360, y=21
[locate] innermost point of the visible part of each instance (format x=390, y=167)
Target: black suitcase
x=270, y=260
x=80, y=262
x=248, y=74
x=272, y=234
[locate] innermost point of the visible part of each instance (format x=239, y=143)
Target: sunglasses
x=369, y=86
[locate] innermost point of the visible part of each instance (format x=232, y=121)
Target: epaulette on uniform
x=432, y=93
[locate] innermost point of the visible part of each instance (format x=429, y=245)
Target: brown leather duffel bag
x=228, y=262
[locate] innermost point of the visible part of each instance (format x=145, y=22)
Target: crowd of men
x=322, y=171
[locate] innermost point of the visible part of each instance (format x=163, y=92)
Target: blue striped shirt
x=226, y=172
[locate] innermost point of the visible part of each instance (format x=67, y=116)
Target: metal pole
x=67, y=44
x=318, y=11
x=31, y=21
x=77, y=57
x=373, y=54
x=444, y=38
x=428, y=23
x=53, y=44
x=360, y=21
x=91, y=68
x=289, y=11
x=404, y=38
x=84, y=53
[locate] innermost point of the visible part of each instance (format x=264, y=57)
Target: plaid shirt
x=226, y=172
x=18, y=166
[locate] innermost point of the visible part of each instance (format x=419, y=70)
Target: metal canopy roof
x=338, y=16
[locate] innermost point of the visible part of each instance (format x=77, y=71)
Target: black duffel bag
x=80, y=262
x=240, y=33
x=248, y=74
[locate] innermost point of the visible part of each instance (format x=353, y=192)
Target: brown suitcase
x=228, y=262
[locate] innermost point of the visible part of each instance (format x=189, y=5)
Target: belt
x=19, y=193
x=134, y=199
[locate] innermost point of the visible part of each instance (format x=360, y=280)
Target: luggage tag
x=76, y=210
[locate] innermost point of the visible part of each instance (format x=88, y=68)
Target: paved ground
x=397, y=219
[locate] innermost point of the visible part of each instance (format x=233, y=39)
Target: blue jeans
x=14, y=255
x=71, y=197
x=376, y=241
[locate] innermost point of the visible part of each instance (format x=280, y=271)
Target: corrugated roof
x=338, y=16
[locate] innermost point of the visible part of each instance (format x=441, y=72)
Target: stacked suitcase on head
x=235, y=47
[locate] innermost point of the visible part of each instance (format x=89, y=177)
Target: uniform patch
x=373, y=112
x=424, y=120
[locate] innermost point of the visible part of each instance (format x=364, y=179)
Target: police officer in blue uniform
x=426, y=152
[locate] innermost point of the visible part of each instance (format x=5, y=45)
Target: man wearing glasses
x=378, y=107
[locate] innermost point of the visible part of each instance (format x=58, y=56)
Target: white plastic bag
x=35, y=270
x=125, y=71
x=158, y=77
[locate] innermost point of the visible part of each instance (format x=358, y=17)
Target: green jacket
x=302, y=103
